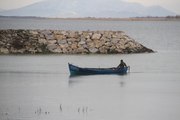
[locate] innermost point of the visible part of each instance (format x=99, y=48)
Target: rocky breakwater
x=67, y=42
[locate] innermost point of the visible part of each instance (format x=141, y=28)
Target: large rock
x=51, y=47
x=93, y=50
x=4, y=50
x=103, y=49
x=60, y=37
x=82, y=42
x=62, y=42
x=49, y=37
x=98, y=43
x=96, y=36
x=115, y=40
x=74, y=46
x=73, y=34
x=42, y=41
x=57, y=50
x=51, y=41
x=34, y=32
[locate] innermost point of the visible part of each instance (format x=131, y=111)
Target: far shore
x=167, y=18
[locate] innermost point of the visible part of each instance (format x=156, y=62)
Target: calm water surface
x=38, y=87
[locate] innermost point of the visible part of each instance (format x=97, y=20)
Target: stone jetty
x=68, y=42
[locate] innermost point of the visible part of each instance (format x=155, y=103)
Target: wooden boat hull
x=75, y=70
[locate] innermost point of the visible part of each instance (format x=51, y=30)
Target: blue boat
x=75, y=70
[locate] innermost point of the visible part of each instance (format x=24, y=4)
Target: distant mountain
x=87, y=8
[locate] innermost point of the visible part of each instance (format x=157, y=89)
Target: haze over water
x=39, y=87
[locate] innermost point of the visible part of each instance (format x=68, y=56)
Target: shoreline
x=168, y=18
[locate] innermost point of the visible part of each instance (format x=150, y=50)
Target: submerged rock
x=68, y=42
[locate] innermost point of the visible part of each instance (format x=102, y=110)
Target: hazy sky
x=172, y=5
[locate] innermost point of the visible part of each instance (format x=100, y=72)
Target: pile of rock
x=68, y=42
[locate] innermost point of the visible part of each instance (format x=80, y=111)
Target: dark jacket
x=122, y=65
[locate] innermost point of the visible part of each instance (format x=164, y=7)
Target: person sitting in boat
x=122, y=64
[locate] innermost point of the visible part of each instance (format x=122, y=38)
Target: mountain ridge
x=81, y=8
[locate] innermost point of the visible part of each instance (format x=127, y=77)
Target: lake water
x=38, y=87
